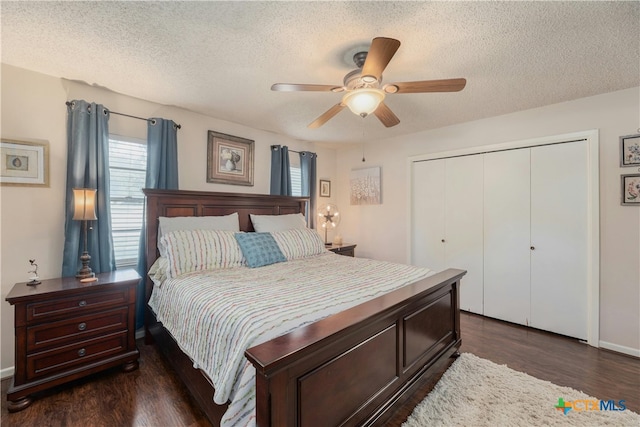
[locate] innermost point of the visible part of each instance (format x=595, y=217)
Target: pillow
x=301, y=243
x=259, y=249
x=225, y=222
x=269, y=223
x=195, y=250
x=158, y=271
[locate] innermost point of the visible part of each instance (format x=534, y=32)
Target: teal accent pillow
x=259, y=249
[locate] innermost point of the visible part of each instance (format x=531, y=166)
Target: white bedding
x=215, y=315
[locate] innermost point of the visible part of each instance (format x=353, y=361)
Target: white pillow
x=196, y=250
x=300, y=243
x=269, y=223
x=158, y=271
x=224, y=222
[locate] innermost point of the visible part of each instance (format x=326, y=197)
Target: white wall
x=381, y=230
x=32, y=219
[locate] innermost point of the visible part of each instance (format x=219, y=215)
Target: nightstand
x=66, y=330
x=346, y=249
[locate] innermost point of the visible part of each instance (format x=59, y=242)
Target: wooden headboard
x=171, y=203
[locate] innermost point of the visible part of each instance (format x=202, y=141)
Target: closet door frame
x=593, y=206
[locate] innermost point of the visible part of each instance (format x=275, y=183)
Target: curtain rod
x=294, y=151
x=128, y=115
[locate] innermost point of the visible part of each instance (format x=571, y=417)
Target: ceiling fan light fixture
x=363, y=101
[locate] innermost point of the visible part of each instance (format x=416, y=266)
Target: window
x=296, y=175
x=127, y=167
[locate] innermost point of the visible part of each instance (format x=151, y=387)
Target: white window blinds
x=127, y=167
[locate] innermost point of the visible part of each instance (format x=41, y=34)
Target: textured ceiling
x=221, y=58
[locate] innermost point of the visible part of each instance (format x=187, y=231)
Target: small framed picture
x=325, y=188
x=630, y=189
x=24, y=163
x=229, y=159
x=630, y=150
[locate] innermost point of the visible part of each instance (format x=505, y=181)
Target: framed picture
x=24, y=163
x=365, y=186
x=631, y=189
x=325, y=188
x=229, y=159
x=630, y=150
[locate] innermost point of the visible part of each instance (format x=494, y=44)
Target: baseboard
x=139, y=333
x=6, y=372
x=620, y=349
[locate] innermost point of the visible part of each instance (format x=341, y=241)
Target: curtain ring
x=153, y=122
x=105, y=112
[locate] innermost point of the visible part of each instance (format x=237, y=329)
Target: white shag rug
x=477, y=392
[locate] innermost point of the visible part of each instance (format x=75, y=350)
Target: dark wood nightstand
x=346, y=249
x=66, y=330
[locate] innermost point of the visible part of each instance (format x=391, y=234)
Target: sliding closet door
x=463, y=226
x=506, y=235
x=427, y=214
x=559, y=235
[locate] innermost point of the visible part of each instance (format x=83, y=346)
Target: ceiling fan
x=364, y=92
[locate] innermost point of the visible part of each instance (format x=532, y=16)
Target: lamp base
x=85, y=274
x=85, y=270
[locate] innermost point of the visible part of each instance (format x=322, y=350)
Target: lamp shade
x=363, y=101
x=84, y=200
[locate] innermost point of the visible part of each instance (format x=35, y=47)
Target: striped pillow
x=299, y=243
x=196, y=250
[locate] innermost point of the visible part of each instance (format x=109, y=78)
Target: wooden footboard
x=354, y=367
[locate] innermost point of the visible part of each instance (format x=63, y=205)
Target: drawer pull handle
x=82, y=326
x=82, y=303
x=82, y=352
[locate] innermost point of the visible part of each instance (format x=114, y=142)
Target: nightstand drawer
x=62, y=359
x=62, y=332
x=76, y=305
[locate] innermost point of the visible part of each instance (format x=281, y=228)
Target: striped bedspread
x=216, y=315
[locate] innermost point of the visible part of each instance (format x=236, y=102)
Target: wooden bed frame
x=353, y=368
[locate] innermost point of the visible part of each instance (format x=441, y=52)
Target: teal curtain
x=162, y=173
x=308, y=175
x=88, y=167
x=280, y=172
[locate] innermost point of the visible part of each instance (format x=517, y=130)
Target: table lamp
x=85, y=211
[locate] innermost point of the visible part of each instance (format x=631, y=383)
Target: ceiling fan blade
x=326, y=116
x=380, y=53
x=292, y=87
x=447, y=85
x=386, y=116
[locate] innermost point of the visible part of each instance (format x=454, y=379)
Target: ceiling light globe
x=363, y=101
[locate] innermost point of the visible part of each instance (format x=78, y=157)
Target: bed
x=354, y=367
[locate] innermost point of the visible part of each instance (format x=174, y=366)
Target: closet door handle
x=533, y=248
x=442, y=240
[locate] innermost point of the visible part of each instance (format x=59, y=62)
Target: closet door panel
x=428, y=213
x=506, y=235
x=464, y=226
x=559, y=234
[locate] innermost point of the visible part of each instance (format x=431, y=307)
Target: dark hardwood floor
x=153, y=396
